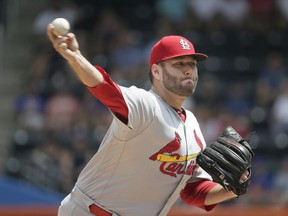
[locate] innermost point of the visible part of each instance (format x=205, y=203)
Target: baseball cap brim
x=198, y=56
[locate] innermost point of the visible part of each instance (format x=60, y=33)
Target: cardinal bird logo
x=172, y=146
x=172, y=163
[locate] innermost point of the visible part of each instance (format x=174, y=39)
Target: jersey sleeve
x=132, y=106
x=194, y=193
x=110, y=95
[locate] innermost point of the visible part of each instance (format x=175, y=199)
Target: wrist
x=219, y=194
x=73, y=59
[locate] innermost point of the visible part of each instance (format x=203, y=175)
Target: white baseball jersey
x=141, y=167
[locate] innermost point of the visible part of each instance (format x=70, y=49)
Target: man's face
x=180, y=75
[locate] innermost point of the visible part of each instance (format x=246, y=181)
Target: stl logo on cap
x=184, y=44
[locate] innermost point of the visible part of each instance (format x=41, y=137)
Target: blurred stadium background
x=50, y=125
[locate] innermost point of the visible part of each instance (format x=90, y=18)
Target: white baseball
x=61, y=26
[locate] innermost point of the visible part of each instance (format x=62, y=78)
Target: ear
x=156, y=71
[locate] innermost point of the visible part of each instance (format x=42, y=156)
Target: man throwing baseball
x=149, y=156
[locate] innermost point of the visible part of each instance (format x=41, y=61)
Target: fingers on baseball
x=60, y=42
x=63, y=45
x=57, y=41
x=63, y=42
x=72, y=42
x=50, y=33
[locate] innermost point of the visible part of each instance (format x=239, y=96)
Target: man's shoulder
x=134, y=90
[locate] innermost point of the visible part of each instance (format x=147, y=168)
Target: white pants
x=77, y=204
x=69, y=207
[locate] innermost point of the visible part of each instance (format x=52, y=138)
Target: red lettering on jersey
x=172, y=163
x=163, y=170
x=172, y=168
x=191, y=168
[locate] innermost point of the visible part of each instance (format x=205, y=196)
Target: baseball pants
x=77, y=203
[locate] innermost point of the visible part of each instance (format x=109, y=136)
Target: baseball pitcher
x=154, y=151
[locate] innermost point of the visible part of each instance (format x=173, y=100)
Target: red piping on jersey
x=109, y=93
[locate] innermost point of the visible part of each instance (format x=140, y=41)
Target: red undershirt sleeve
x=111, y=96
x=194, y=194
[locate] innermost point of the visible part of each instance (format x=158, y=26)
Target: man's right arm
x=67, y=46
x=108, y=92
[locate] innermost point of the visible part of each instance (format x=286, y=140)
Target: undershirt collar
x=181, y=112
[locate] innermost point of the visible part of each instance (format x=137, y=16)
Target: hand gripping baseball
x=228, y=160
x=66, y=45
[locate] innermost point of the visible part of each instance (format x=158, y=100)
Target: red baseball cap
x=173, y=46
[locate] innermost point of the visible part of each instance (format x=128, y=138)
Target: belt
x=98, y=211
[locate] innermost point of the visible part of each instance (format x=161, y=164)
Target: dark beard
x=173, y=84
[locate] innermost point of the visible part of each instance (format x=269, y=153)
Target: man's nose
x=188, y=70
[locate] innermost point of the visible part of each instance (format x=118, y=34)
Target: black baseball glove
x=227, y=159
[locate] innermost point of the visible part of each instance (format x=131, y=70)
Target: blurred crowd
x=59, y=124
